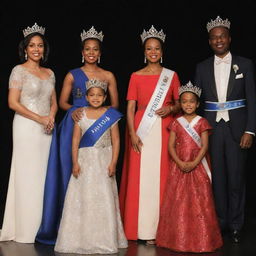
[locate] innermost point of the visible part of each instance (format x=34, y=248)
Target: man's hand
x=246, y=140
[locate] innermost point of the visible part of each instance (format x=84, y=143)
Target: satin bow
x=222, y=60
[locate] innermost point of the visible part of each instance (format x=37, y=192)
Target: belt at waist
x=222, y=106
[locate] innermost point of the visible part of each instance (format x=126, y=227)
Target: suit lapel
x=212, y=77
x=232, y=75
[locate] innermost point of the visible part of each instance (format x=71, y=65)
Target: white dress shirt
x=222, y=68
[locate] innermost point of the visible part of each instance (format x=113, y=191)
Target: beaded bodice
x=35, y=92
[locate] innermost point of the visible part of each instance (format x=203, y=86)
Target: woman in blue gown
x=60, y=162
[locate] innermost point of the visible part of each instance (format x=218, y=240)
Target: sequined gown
x=91, y=221
x=188, y=221
x=23, y=210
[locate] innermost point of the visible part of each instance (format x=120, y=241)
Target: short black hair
x=87, y=91
x=160, y=41
x=83, y=42
x=25, y=42
x=197, y=97
x=228, y=30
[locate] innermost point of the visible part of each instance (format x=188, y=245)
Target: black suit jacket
x=241, y=119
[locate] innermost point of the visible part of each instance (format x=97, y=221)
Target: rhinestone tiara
x=189, y=87
x=34, y=29
x=94, y=82
x=218, y=22
x=91, y=33
x=152, y=33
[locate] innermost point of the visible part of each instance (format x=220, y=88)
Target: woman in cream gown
x=32, y=97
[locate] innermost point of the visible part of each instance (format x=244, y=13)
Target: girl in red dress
x=188, y=222
x=153, y=93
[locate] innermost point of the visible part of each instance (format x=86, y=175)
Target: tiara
x=189, y=87
x=94, y=82
x=218, y=22
x=152, y=33
x=91, y=33
x=34, y=29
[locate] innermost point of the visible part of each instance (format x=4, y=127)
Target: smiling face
x=219, y=40
x=153, y=50
x=91, y=50
x=35, y=48
x=96, y=97
x=189, y=103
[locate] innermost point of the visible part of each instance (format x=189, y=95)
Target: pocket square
x=239, y=76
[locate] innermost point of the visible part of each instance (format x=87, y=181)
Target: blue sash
x=220, y=106
x=97, y=129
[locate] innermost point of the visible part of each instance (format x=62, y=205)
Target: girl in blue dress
x=60, y=162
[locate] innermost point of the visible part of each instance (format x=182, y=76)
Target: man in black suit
x=229, y=103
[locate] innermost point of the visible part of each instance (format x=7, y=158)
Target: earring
x=99, y=60
x=26, y=56
x=145, y=59
x=161, y=60
x=82, y=59
x=42, y=57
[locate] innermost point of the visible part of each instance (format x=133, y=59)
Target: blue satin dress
x=60, y=165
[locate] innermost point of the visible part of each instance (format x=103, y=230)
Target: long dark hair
x=25, y=42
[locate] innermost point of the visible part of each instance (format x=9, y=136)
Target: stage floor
x=247, y=247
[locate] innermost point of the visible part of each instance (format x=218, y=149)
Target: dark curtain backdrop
x=122, y=22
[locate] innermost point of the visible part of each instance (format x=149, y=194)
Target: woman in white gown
x=32, y=96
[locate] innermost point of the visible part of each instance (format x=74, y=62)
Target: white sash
x=156, y=102
x=194, y=135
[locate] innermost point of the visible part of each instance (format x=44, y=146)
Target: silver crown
x=34, y=29
x=94, y=82
x=152, y=33
x=189, y=87
x=91, y=33
x=218, y=22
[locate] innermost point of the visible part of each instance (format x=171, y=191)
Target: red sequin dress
x=188, y=221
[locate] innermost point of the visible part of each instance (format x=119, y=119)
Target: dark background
x=122, y=22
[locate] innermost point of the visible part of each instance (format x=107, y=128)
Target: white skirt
x=149, y=195
x=24, y=203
